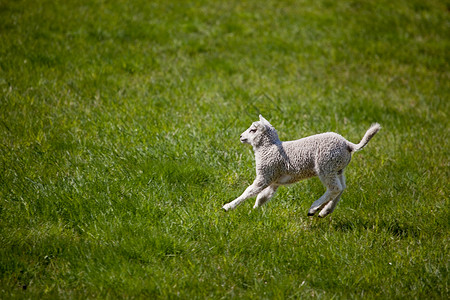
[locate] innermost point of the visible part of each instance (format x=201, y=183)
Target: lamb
x=280, y=163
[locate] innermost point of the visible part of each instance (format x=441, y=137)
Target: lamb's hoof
x=226, y=207
x=323, y=214
x=310, y=214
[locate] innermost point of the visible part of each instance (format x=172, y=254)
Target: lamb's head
x=260, y=133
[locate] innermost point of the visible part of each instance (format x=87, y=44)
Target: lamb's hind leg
x=330, y=206
x=334, y=188
x=265, y=195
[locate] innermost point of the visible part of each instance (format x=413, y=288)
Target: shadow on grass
x=396, y=228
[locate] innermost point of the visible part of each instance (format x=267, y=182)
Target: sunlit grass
x=119, y=144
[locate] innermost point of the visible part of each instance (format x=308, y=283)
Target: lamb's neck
x=265, y=148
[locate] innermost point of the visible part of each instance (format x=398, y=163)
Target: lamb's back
x=303, y=153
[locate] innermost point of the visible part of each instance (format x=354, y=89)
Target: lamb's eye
x=252, y=130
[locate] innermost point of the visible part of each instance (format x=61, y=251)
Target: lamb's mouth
x=244, y=141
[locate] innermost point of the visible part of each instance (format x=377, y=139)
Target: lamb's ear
x=260, y=125
x=264, y=121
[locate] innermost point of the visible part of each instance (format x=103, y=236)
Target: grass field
x=119, y=144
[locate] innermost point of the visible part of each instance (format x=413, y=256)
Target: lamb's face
x=260, y=133
x=252, y=133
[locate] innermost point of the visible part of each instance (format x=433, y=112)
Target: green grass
x=119, y=144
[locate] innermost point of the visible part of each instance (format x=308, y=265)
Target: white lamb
x=279, y=163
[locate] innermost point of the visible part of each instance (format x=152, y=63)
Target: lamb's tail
x=369, y=134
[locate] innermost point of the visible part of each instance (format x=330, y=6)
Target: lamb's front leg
x=258, y=185
x=265, y=195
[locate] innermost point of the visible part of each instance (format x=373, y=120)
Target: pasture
x=119, y=144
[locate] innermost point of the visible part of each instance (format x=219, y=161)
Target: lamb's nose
x=240, y=136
